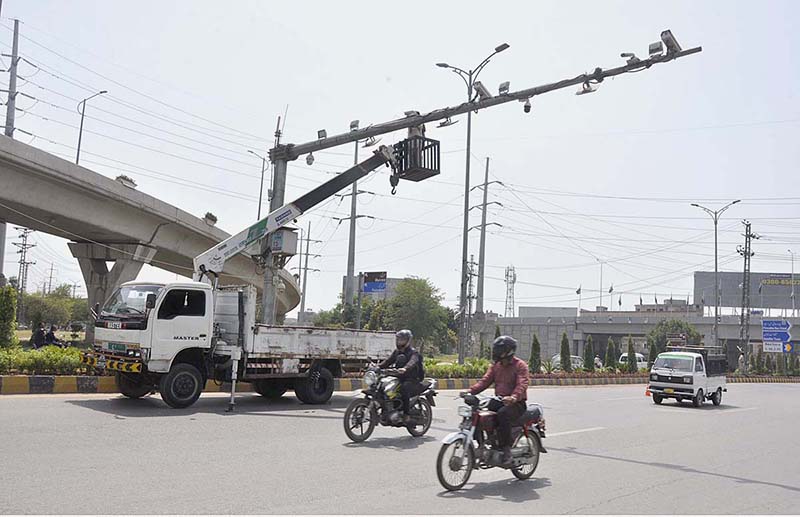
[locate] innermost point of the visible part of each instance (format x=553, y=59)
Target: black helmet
x=503, y=346
x=403, y=339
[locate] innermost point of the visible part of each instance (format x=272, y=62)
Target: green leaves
x=50, y=360
x=566, y=360
x=8, y=317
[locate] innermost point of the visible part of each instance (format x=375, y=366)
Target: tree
x=631, y=367
x=62, y=291
x=611, y=358
x=14, y=282
x=496, y=331
x=658, y=336
x=377, y=315
x=769, y=365
x=417, y=307
x=588, y=354
x=50, y=310
x=8, y=316
x=753, y=364
x=781, y=366
x=653, y=353
x=535, y=361
x=566, y=360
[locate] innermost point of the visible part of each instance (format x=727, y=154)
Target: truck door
x=182, y=321
x=700, y=378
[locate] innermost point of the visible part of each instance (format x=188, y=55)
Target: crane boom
x=211, y=262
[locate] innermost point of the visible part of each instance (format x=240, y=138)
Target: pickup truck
x=688, y=374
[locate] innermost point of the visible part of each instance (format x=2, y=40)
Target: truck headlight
x=688, y=380
x=653, y=377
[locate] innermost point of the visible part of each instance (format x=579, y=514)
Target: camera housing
x=527, y=107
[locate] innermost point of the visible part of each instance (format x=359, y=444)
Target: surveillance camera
x=310, y=159
x=527, y=107
x=354, y=125
x=322, y=134
x=656, y=49
x=504, y=87
x=671, y=43
x=483, y=93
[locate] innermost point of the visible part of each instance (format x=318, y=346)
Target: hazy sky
x=607, y=176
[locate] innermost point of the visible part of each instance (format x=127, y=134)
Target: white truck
x=176, y=337
x=689, y=373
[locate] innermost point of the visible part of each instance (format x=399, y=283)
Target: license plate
x=116, y=346
x=114, y=325
x=669, y=390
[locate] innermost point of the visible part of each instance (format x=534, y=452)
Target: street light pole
x=469, y=78
x=260, y=185
x=791, y=280
x=82, y=111
x=715, y=215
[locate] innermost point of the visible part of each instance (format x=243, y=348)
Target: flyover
x=107, y=221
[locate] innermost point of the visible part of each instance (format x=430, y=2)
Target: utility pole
x=50, y=281
x=358, y=300
x=9, y=129
x=744, y=318
x=308, y=242
x=715, y=215
x=471, y=296
x=482, y=251
x=22, y=276
x=791, y=281
x=511, y=279
x=281, y=154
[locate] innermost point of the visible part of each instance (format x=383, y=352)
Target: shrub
x=50, y=360
x=8, y=317
x=547, y=366
x=588, y=354
x=566, y=360
x=631, y=366
x=611, y=357
x=535, y=361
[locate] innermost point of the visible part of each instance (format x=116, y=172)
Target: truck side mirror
x=150, y=303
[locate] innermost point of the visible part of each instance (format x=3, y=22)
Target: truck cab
x=695, y=375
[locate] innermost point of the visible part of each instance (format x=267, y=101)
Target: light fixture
x=442, y=65
x=504, y=87
x=310, y=159
x=322, y=134
x=354, y=125
x=501, y=47
x=447, y=122
x=586, y=88
x=656, y=49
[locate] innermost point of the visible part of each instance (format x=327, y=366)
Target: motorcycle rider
x=408, y=362
x=510, y=377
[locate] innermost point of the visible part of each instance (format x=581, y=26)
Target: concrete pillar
x=100, y=282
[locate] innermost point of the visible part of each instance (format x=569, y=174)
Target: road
x=611, y=451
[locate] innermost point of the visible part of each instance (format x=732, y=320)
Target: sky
x=601, y=178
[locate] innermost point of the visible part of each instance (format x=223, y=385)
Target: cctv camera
x=310, y=159
x=656, y=49
x=483, y=93
x=671, y=43
x=527, y=106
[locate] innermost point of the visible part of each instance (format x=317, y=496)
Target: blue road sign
x=374, y=287
x=767, y=325
x=787, y=348
x=779, y=336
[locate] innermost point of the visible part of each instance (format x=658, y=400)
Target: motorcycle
x=382, y=404
x=475, y=446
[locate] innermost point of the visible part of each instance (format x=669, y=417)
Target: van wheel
x=698, y=399
x=317, y=388
x=132, y=387
x=182, y=386
x=716, y=398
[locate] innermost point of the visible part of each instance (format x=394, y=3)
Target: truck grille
x=674, y=379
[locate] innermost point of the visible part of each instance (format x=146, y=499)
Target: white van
x=641, y=362
x=684, y=375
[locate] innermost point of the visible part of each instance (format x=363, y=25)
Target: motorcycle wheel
x=454, y=464
x=527, y=470
x=359, y=420
x=423, y=408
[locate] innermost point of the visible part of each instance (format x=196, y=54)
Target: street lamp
x=82, y=111
x=791, y=280
x=469, y=77
x=261, y=185
x=715, y=215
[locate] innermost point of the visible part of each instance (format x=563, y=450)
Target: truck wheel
x=272, y=389
x=658, y=399
x=698, y=399
x=317, y=388
x=132, y=387
x=716, y=398
x=182, y=386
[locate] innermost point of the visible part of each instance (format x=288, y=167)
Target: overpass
x=107, y=221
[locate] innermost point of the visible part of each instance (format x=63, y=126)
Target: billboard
x=767, y=290
x=375, y=282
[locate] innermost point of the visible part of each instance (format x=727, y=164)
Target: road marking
x=576, y=431
x=726, y=411
x=640, y=397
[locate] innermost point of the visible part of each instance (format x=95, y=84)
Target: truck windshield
x=678, y=363
x=129, y=301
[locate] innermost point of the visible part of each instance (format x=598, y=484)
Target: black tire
x=698, y=399
x=132, y=387
x=716, y=398
x=356, y=417
x=423, y=407
x=445, y=464
x=182, y=386
x=317, y=388
x=271, y=389
x=526, y=471
x=657, y=399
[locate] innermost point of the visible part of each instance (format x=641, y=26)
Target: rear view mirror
x=150, y=303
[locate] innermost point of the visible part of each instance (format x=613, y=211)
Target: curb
x=49, y=384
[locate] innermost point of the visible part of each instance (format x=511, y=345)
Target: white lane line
x=726, y=411
x=640, y=397
x=576, y=431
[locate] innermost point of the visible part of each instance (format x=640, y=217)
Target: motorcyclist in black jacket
x=409, y=365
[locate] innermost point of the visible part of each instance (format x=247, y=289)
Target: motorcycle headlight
x=370, y=378
x=464, y=411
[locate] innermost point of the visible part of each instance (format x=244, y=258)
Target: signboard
x=787, y=348
x=375, y=282
x=772, y=347
x=775, y=334
x=767, y=290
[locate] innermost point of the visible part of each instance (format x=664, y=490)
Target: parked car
x=641, y=362
x=577, y=361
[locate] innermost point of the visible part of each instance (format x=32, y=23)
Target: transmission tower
x=511, y=279
x=24, y=263
x=744, y=318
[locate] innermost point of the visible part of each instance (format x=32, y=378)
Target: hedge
x=49, y=360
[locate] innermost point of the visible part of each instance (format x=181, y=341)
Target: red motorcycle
x=475, y=444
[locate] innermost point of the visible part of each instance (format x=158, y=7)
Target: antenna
x=511, y=279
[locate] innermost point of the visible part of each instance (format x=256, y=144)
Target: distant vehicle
x=576, y=360
x=641, y=362
x=688, y=373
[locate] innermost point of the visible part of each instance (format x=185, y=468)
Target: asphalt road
x=611, y=451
